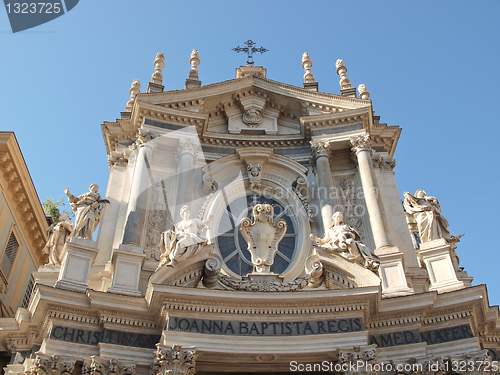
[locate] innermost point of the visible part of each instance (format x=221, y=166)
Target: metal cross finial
x=250, y=49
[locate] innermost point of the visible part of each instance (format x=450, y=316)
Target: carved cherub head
x=254, y=169
x=263, y=212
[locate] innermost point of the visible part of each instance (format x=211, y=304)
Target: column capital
x=364, y=357
x=143, y=138
x=385, y=164
x=187, y=146
x=117, y=159
x=174, y=361
x=55, y=364
x=360, y=143
x=98, y=365
x=320, y=149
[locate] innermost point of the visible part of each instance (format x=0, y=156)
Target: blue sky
x=430, y=67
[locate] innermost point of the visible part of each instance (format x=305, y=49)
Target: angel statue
x=346, y=241
x=427, y=212
x=88, y=210
x=57, y=235
x=262, y=235
x=186, y=239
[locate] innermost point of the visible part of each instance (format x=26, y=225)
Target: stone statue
x=88, y=210
x=427, y=212
x=187, y=238
x=262, y=235
x=58, y=233
x=345, y=241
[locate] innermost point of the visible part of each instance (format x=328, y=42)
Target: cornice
x=271, y=309
x=21, y=197
x=206, y=297
x=263, y=83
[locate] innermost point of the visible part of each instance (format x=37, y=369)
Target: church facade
x=251, y=226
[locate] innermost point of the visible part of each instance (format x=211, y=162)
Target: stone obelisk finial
x=135, y=89
x=156, y=84
x=308, y=75
x=363, y=92
x=193, y=80
x=345, y=84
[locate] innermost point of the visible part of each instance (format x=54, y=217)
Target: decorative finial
x=159, y=65
x=135, y=89
x=194, y=61
x=250, y=49
x=307, y=64
x=341, y=71
x=363, y=92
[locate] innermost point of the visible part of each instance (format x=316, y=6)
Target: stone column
x=187, y=158
x=321, y=154
x=361, y=145
x=138, y=201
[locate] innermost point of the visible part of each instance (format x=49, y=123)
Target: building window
x=28, y=292
x=9, y=255
x=233, y=247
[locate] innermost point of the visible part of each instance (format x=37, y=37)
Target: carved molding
x=335, y=279
x=254, y=176
x=249, y=308
x=252, y=117
x=264, y=286
x=296, y=188
x=19, y=193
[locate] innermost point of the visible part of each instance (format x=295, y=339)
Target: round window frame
x=287, y=198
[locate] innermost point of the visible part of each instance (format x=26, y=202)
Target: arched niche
x=278, y=173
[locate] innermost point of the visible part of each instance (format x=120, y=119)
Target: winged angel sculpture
x=263, y=236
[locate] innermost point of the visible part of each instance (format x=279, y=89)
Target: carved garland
x=264, y=286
